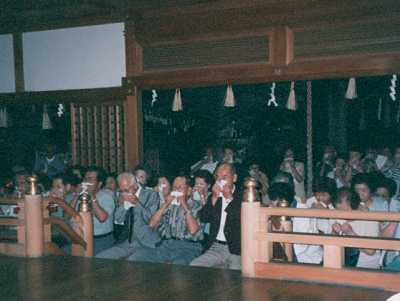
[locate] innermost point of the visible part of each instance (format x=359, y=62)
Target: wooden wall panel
x=97, y=135
x=250, y=49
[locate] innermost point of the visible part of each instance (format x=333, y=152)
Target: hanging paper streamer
x=380, y=109
x=291, y=103
x=230, y=101
x=3, y=118
x=60, y=110
x=351, y=92
x=177, y=104
x=154, y=97
x=46, y=122
x=272, y=99
x=392, y=87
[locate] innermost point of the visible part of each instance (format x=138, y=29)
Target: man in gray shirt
x=136, y=205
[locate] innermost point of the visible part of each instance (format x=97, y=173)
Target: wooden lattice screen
x=98, y=135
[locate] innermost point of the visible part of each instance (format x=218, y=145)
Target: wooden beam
x=96, y=96
x=18, y=62
x=133, y=128
x=372, y=279
x=322, y=68
x=332, y=214
x=330, y=240
x=12, y=249
x=133, y=105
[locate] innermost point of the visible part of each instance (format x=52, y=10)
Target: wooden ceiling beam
x=324, y=68
x=97, y=95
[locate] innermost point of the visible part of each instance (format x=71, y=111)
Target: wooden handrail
x=329, y=214
x=330, y=240
x=9, y=221
x=67, y=230
x=10, y=200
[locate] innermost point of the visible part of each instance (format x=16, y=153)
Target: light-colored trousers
x=218, y=255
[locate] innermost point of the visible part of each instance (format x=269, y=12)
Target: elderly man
x=179, y=227
x=222, y=211
x=136, y=205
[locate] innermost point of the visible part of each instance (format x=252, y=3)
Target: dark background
x=259, y=133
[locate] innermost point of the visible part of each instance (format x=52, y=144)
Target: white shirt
x=310, y=253
x=221, y=235
x=367, y=228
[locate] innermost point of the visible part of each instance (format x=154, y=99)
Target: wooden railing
x=33, y=225
x=258, y=239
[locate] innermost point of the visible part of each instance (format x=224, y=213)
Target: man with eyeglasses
x=135, y=206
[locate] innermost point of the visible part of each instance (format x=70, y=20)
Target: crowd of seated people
x=195, y=219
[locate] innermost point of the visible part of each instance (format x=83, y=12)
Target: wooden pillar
x=84, y=229
x=281, y=46
x=310, y=175
x=249, y=226
x=133, y=105
x=34, y=237
x=18, y=62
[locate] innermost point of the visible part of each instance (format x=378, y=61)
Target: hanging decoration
x=177, y=103
x=154, y=97
x=392, y=88
x=351, y=92
x=272, y=99
x=230, y=101
x=60, y=110
x=291, y=103
x=46, y=122
x=380, y=109
x=3, y=117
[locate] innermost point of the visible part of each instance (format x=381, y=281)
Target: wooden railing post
x=333, y=257
x=34, y=238
x=250, y=224
x=86, y=228
x=287, y=226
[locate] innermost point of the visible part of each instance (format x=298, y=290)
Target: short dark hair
x=281, y=191
x=324, y=184
x=71, y=178
x=352, y=197
x=205, y=175
x=98, y=171
x=387, y=183
x=363, y=178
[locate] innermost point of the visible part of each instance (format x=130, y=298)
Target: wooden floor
x=74, y=278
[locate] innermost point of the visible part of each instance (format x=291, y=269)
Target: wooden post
x=133, y=107
x=133, y=128
x=34, y=237
x=310, y=176
x=333, y=257
x=21, y=217
x=87, y=225
x=249, y=220
x=18, y=62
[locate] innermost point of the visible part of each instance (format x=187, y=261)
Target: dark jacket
x=212, y=214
